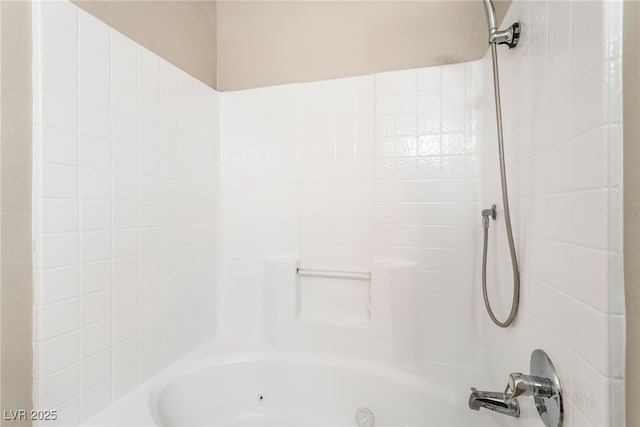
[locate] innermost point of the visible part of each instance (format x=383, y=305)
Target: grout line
x=570, y=297
x=78, y=216
x=138, y=150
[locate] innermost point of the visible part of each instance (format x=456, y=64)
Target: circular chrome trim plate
x=550, y=409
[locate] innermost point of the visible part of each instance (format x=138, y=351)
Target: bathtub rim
x=132, y=408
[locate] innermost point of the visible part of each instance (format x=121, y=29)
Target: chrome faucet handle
x=528, y=385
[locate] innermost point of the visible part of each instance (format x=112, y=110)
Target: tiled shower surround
x=167, y=213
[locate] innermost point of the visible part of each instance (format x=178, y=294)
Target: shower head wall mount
x=509, y=36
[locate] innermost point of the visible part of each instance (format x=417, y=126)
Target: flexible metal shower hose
x=507, y=215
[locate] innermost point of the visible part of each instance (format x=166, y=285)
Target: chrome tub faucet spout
x=493, y=401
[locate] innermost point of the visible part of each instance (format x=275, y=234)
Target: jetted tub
x=291, y=389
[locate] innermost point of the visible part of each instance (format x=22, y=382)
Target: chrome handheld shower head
x=491, y=15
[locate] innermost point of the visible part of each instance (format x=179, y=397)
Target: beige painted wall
x=631, y=87
x=263, y=43
x=15, y=207
x=236, y=44
x=182, y=32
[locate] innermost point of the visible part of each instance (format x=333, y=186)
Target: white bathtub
x=266, y=388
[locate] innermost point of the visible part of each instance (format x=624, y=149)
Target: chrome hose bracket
x=492, y=213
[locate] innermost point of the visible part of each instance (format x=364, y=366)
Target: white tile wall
x=259, y=197
x=561, y=106
x=345, y=173
x=126, y=166
x=425, y=169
